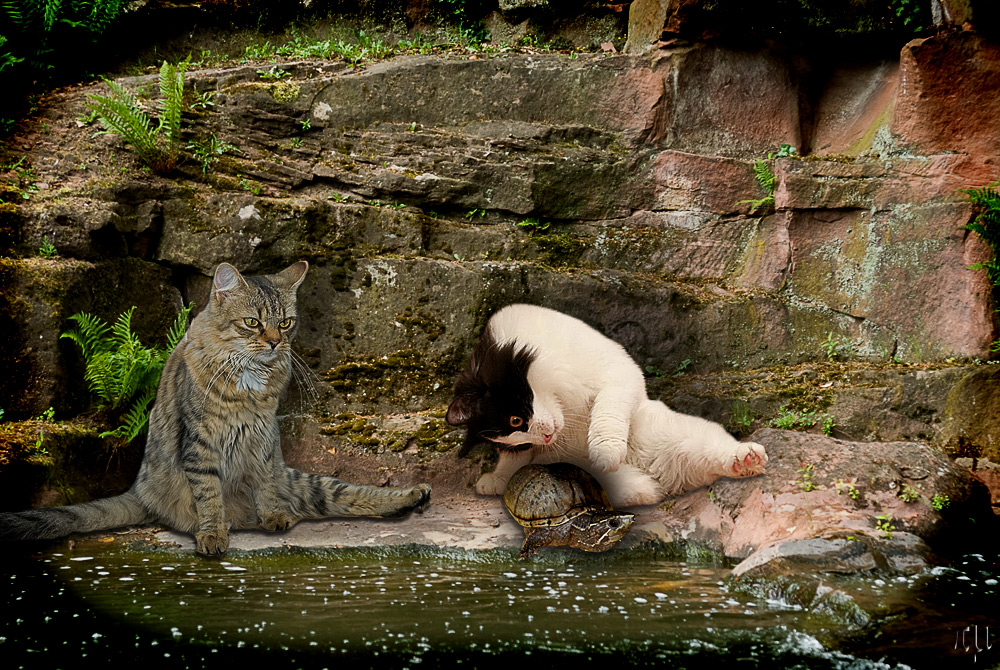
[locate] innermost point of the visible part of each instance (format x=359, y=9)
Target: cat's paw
x=212, y=543
x=748, y=460
x=607, y=457
x=491, y=484
x=276, y=521
x=420, y=496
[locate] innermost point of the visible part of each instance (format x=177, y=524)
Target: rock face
x=843, y=506
x=428, y=191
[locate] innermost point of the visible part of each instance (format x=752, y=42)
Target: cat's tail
x=53, y=522
x=317, y=497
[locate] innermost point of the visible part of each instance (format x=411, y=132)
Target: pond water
x=107, y=603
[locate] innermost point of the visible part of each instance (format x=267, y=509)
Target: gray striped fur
x=213, y=457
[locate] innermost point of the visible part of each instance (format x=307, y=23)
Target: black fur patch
x=492, y=389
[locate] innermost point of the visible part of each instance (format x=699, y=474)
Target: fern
x=120, y=370
x=986, y=224
x=766, y=179
x=121, y=114
x=172, y=90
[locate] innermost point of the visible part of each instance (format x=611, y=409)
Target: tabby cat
x=213, y=459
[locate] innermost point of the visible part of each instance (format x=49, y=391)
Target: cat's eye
x=287, y=323
x=251, y=322
x=516, y=422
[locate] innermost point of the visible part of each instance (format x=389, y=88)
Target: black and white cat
x=546, y=387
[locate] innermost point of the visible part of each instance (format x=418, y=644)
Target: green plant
x=909, y=11
x=258, y=51
x=203, y=100
x=788, y=419
x=766, y=179
x=274, y=72
x=47, y=250
x=121, y=114
x=305, y=124
x=533, y=225
x=742, y=418
x=246, y=185
x=910, y=494
x=848, y=486
x=834, y=345
x=25, y=177
x=828, y=425
x=938, y=502
x=207, y=152
x=806, y=481
x=120, y=370
x=884, y=524
x=471, y=214
x=986, y=224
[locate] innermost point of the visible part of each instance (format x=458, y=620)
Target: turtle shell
x=553, y=494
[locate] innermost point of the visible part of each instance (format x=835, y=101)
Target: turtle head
x=601, y=530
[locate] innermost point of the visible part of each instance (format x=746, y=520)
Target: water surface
x=108, y=603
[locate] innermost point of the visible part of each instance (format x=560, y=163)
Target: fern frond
x=179, y=327
x=120, y=113
x=135, y=421
x=89, y=334
x=172, y=90
x=764, y=176
x=50, y=12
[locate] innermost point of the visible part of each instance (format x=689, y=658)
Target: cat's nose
x=274, y=342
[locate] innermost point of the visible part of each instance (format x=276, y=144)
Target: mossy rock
x=61, y=463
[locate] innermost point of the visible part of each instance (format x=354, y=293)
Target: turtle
x=563, y=504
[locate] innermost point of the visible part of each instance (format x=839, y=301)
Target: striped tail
x=317, y=497
x=53, y=522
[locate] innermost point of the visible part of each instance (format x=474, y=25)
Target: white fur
x=590, y=408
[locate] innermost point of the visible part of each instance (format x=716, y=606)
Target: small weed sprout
x=681, y=367
x=940, y=502
x=884, y=524
x=847, y=486
x=47, y=250
x=25, y=175
x=472, y=213
x=203, y=100
x=305, y=124
x=208, y=151
x=835, y=345
x=273, y=72
x=742, y=418
x=534, y=225
x=806, y=481
x=828, y=425
x=909, y=494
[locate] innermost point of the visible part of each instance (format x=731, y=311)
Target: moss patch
x=560, y=249
x=396, y=377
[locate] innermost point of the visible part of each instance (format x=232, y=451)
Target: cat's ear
x=227, y=279
x=292, y=276
x=461, y=410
